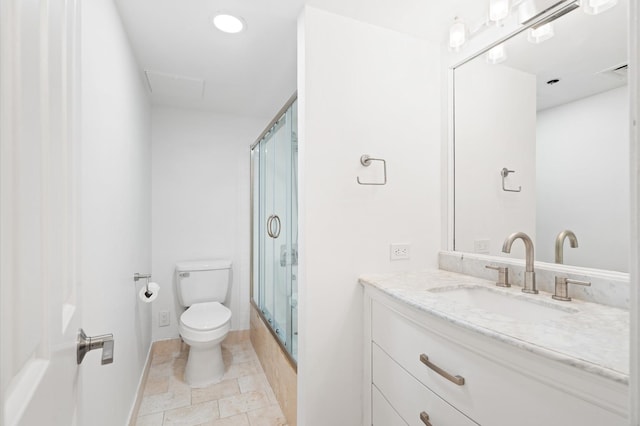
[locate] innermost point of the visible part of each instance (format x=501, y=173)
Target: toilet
x=202, y=287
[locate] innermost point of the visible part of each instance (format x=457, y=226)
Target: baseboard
x=133, y=414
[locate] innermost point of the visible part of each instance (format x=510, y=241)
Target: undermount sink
x=513, y=306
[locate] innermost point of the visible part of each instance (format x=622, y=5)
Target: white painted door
x=39, y=181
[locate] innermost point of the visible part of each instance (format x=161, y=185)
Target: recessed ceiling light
x=228, y=23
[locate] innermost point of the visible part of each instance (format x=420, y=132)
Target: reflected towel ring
x=366, y=160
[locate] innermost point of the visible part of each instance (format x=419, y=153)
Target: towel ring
x=366, y=160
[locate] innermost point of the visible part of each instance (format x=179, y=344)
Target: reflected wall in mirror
x=555, y=113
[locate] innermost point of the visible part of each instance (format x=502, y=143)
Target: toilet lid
x=206, y=316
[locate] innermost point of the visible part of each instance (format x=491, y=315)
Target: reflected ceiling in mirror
x=552, y=110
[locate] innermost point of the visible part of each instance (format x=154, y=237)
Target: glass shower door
x=275, y=228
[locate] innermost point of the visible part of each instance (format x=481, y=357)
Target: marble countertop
x=594, y=338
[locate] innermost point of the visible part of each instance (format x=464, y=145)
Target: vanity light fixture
x=496, y=55
x=498, y=10
x=228, y=23
x=541, y=33
x=457, y=35
x=593, y=7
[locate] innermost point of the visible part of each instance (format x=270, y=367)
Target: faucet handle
x=503, y=275
x=562, y=288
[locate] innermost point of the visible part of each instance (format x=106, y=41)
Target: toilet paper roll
x=154, y=289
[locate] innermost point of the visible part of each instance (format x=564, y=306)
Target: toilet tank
x=203, y=281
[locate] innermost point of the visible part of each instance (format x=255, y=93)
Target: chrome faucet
x=573, y=241
x=529, y=274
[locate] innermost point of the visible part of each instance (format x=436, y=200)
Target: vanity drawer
x=383, y=414
x=409, y=397
x=492, y=394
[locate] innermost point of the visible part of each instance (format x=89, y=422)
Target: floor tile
x=242, y=369
x=150, y=420
x=192, y=415
x=156, y=385
x=239, y=420
x=242, y=403
x=253, y=382
x=164, y=401
x=214, y=392
x=268, y=416
x=243, y=398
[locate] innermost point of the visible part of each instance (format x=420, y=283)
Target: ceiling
x=193, y=65
x=580, y=55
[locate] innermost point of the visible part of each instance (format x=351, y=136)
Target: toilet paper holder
x=138, y=276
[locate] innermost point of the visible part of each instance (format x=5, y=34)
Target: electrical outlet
x=163, y=318
x=400, y=251
x=481, y=246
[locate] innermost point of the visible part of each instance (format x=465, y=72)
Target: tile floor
x=242, y=398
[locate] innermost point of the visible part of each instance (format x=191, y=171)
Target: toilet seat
x=205, y=321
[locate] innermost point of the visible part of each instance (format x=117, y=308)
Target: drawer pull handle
x=425, y=418
x=458, y=380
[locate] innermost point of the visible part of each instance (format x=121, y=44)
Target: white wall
x=200, y=202
x=495, y=119
x=362, y=90
x=116, y=202
x=582, y=170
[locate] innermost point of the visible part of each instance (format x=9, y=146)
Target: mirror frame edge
x=634, y=258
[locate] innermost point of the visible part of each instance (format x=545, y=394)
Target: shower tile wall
x=281, y=375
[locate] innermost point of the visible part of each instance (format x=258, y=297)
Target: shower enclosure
x=274, y=227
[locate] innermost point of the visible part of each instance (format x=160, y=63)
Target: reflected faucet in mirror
x=529, y=274
x=573, y=242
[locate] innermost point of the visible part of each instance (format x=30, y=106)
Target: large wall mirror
x=541, y=141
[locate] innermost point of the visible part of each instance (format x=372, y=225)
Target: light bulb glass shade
x=496, y=55
x=593, y=7
x=498, y=10
x=540, y=34
x=527, y=10
x=457, y=35
x=228, y=23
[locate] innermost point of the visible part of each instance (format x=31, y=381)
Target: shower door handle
x=269, y=233
x=276, y=233
x=270, y=230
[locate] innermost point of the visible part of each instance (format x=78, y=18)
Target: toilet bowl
x=203, y=327
x=202, y=286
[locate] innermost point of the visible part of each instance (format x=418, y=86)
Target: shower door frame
x=292, y=361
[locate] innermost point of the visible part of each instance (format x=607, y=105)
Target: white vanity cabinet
x=471, y=378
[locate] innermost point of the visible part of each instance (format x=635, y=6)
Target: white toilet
x=202, y=287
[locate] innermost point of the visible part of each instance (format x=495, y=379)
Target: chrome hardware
x=269, y=219
x=366, y=160
x=184, y=274
x=562, y=288
x=276, y=233
x=529, y=274
x=458, y=380
x=137, y=276
x=504, y=173
x=287, y=258
x=573, y=242
x=86, y=344
x=425, y=418
x=270, y=231
x=503, y=275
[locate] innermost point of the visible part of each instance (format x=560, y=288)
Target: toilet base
x=204, y=366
